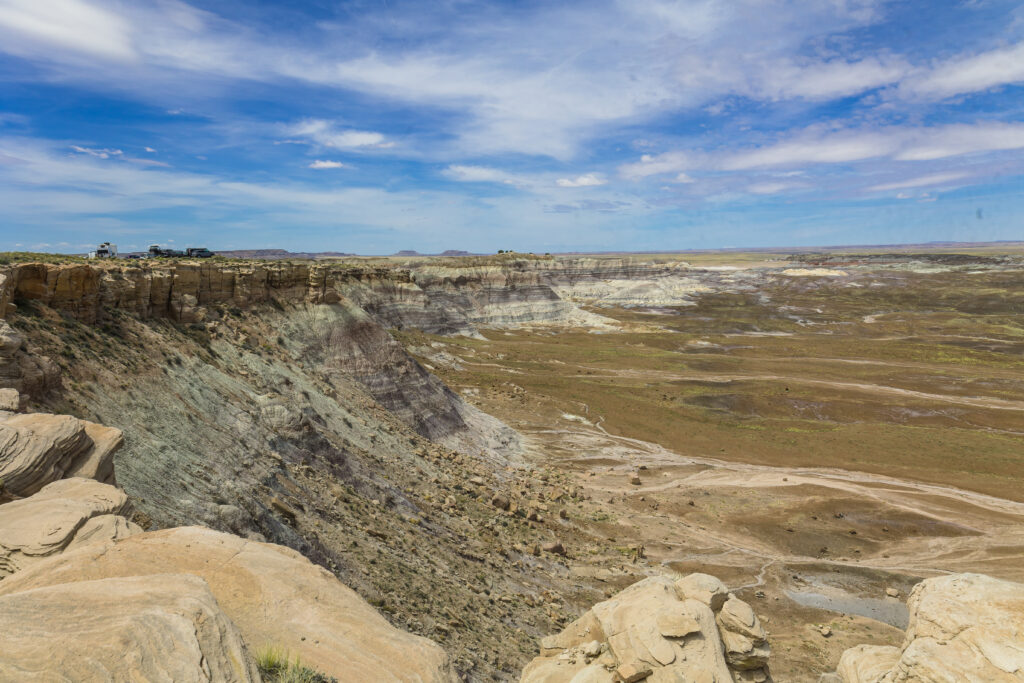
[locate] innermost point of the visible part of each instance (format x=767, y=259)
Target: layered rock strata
x=658, y=630
x=38, y=448
x=446, y=299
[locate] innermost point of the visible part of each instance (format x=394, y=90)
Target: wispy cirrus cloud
x=817, y=146
x=98, y=153
x=484, y=174
x=967, y=73
x=526, y=110
x=932, y=180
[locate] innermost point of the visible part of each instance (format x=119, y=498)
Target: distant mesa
x=447, y=252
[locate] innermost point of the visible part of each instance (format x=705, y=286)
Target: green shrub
x=277, y=666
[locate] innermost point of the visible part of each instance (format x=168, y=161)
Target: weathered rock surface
x=657, y=631
x=963, y=627
x=61, y=514
x=162, y=627
x=274, y=595
x=39, y=448
x=867, y=662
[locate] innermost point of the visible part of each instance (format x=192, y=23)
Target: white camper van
x=105, y=250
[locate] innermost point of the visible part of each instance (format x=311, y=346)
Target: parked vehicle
x=156, y=251
x=105, y=250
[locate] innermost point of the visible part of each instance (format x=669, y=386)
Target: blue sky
x=370, y=127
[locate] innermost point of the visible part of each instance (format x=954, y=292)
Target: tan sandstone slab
x=39, y=448
x=66, y=511
x=158, y=628
x=273, y=594
x=653, y=632
x=963, y=627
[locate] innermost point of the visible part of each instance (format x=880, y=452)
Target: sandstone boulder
x=64, y=513
x=703, y=588
x=273, y=594
x=654, y=632
x=746, y=647
x=162, y=627
x=963, y=627
x=38, y=448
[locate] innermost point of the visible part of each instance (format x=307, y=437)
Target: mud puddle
x=889, y=611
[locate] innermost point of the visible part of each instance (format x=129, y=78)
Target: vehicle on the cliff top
x=156, y=251
x=105, y=250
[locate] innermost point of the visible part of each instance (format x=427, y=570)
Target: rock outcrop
x=658, y=630
x=38, y=448
x=963, y=627
x=162, y=627
x=274, y=596
x=66, y=513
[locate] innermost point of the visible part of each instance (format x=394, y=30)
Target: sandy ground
x=805, y=546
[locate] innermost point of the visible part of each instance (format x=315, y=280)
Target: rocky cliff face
x=86, y=594
x=433, y=298
x=266, y=402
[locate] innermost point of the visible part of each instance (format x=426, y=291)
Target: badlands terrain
x=487, y=449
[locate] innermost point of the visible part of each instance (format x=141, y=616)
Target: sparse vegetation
x=277, y=666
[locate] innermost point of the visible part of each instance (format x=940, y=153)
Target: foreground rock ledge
x=274, y=595
x=963, y=627
x=39, y=448
x=658, y=631
x=142, y=628
x=62, y=515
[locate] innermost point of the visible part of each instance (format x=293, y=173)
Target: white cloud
x=816, y=146
x=150, y=150
x=29, y=28
x=325, y=134
x=813, y=148
x=74, y=193
x=968, y=74
x=321, y=164
x=830, y=79
x=485, y=174
x=922, y=181
x=956, y=139
x=588, y=180
x=540, y=81
x=772, y=187
x=656, y=164
x=145, y=162
x=99, y=153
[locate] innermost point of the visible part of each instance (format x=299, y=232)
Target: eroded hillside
x=279, y=402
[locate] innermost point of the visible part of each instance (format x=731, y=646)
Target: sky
x=632, y=125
